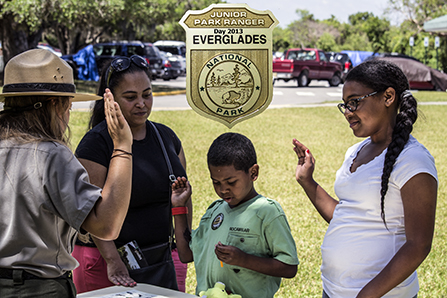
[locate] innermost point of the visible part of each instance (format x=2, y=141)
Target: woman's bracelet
x=120, y=154
x=179, y=210
x=123, y=152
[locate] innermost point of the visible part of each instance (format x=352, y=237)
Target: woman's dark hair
x=232, y=149
x=98, y=109
x=380, y=75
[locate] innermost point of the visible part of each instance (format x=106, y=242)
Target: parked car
x=45, y=46
x=278, y=55
x=331, y=55
x=345, y=62
x=171, y=66
x=87, y=64
x=104, y=52
x=175, y=48
x=305, y=65
x=152, y=53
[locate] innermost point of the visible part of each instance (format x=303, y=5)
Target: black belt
x=23, y=275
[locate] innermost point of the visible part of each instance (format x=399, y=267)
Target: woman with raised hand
x=149, y=221
x=45, y=193
x=381, y=227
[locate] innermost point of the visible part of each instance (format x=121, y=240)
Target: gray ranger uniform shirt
x=45, y=196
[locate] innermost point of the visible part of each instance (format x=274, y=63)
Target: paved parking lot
x=284, y=95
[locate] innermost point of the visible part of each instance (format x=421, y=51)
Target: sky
x=285, y=10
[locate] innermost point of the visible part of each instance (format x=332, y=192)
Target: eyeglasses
x=123, y=63
x=352, y=104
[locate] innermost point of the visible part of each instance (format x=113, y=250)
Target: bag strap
x=171, y=176
x=165, y=153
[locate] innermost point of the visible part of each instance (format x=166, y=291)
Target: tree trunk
x=15, y=37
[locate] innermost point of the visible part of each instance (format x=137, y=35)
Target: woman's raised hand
x=117, y=125
x=306, y=162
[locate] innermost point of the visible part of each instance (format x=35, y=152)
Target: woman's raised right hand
x=118, y=127
x=306, y=163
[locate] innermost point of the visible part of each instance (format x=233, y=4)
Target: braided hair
x=380, y=75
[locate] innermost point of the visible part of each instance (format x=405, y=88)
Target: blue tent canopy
x=358, y=57
x=85, y=60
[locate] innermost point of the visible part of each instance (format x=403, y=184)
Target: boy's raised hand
x=181, y=192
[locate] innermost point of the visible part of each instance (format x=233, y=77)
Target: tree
x=327, y=43
x=416, y=13
x=75, y=24
x=16, y=37
x=213, y=80
x=170, y=28
x=281, y=39
x=307, y=30
x=236, y=76
x=375, y=28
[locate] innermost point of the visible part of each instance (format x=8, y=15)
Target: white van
x=175, y=48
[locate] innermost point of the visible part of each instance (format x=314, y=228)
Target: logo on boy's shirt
x=217, y=221
x=237, y=229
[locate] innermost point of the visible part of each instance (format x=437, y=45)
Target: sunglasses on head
x=123, y=63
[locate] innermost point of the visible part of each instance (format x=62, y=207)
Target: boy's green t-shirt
x=258, y=227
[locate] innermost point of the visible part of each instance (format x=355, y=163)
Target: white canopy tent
x=436, y=25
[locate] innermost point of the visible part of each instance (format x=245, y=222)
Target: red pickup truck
x=305, y=65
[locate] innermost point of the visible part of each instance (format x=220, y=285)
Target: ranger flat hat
x=40, y=72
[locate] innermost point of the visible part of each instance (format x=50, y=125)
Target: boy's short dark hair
x=232, y=149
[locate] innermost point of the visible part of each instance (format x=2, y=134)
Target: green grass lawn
x=327, y=134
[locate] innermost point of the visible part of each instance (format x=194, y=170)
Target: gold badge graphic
x=229, y=61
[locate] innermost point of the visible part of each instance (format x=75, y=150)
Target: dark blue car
x=87, y=64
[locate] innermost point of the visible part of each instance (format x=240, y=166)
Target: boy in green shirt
x=243, y=240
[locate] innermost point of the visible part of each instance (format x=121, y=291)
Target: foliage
x=366, y=32
x=15, y=35
x=306, y=32
x=70, y=25
x=172, y=30
x=281, y=39
x=74, y=24
x=327, y=43
x=328, y=136
x=376, y=30
x=416, y=13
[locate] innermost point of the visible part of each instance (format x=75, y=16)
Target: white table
x=144, y=290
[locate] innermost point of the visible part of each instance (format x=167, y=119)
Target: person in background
x=381, y=227
x=243, y=239
x=148, y=221
x=45, y=193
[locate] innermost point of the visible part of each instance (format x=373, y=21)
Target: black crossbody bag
x=158, y=267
